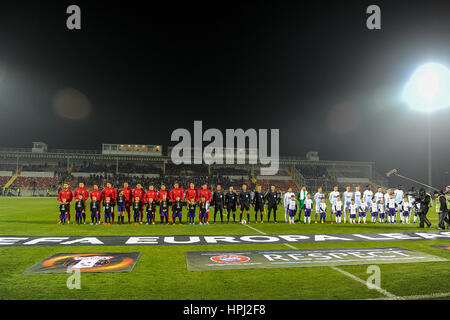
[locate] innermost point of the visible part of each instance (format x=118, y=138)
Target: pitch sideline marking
x=380, y=290
x=419, y=297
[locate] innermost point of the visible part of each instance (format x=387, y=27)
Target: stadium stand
x=42, y=169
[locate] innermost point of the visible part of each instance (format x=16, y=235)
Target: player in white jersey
x=386, y=197
x=381, y=211
x=337, y=208
x=333, y=196
x=374, y=211
x=391, y=206
x=368, y=194
x=318, y=199
x=323, y=211
x=357, y=195
x=362, y=211
x=353, y=208
x=411, y=201
x=287, y=198
x=292, y=209
x=398, y=195
x=406, y=206
x=379, y=195
x=308, y=208
x=348, y=196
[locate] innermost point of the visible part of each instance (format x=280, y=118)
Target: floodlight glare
x=428, y=89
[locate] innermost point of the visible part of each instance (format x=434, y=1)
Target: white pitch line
x=419, y=297
x=382, y=291
x=255, y=229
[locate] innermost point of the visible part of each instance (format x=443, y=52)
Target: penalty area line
x=386, y=293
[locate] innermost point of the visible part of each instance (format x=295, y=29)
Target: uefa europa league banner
x=86, y=262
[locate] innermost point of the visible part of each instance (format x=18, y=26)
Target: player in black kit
x=244, y=202
x=258, y=203
x=231, y=204
x=272, y=199
x=217, y=201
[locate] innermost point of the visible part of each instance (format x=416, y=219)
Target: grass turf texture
x=161, y=271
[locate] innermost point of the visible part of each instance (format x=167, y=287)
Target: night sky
x=313, y=70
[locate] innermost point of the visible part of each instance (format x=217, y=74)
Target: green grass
x=161, y=271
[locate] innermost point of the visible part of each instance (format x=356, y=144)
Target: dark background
x=313, y=70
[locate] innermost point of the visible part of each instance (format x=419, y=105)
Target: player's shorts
x=381, y=215
x=63, y=216
x=347, y=205
x=108, y=215
x=353, y=216
x=231, y=208
x=164, y=213
x=203, y=215
x=391, y=211
x=259, y=207
x=245, y=207
x=323, y=214
x=374, y=214
x=121, y=208
x=291, y=213
x=317, y=207
x=405, y=213
x=176, y=214
x=307, y=212
x=191, y=214
x=338, y=213
x=137, y=214
x=94, y=214
x=79, y=213
x=149, y=215
x=362, y=214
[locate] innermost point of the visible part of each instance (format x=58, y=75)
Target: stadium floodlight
x=428, y=89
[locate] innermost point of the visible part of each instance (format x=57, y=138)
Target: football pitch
x=161, y=271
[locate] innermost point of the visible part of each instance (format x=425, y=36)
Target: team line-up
x=382, y=207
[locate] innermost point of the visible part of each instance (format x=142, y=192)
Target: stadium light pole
x=428, y=90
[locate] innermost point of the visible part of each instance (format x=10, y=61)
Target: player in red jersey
x=98, y=195
x=162, y=192
x=151, y=193
x=127, y=193
x=139, y=192
x=191, y=193
x=204, y=192
x=65, y=193
x=82, y=190
x=110, y=192
x=176, y=192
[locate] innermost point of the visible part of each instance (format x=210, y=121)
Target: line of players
x=382, y=207
x=136, y=200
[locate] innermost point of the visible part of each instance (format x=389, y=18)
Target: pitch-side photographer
x=442, y=209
